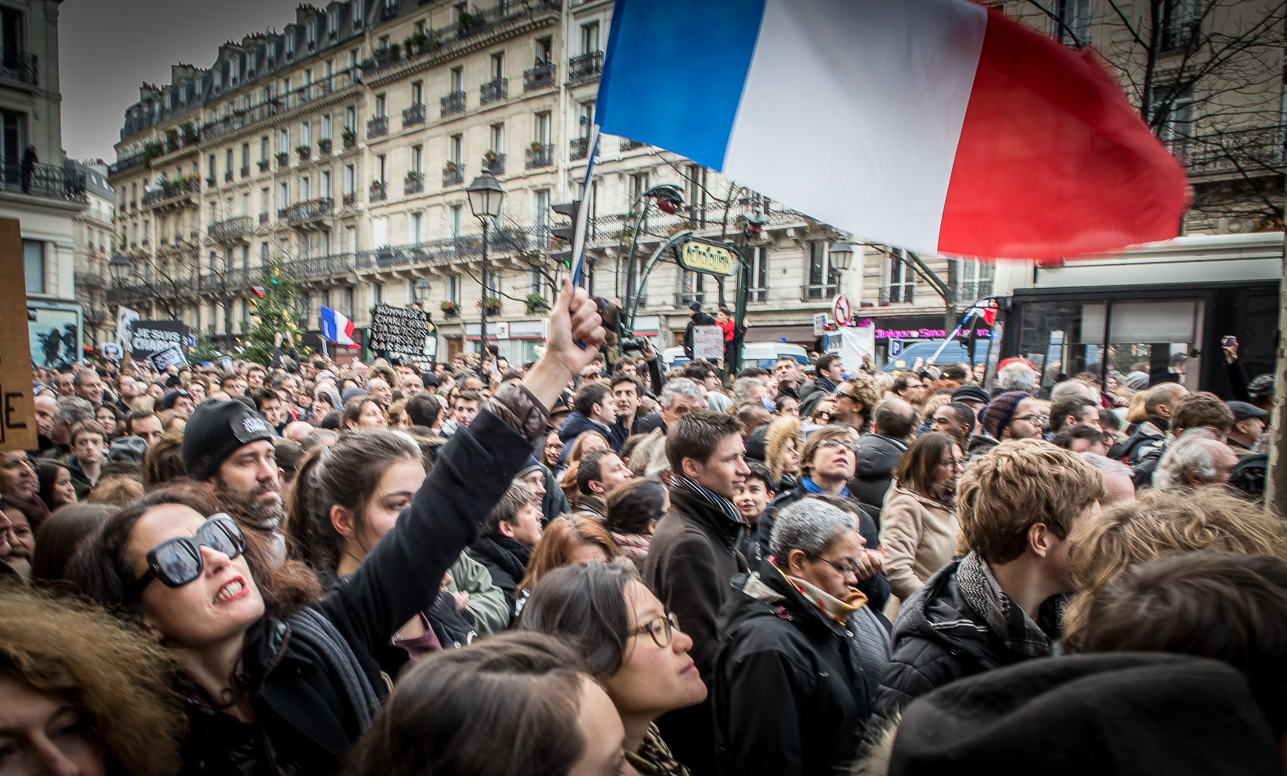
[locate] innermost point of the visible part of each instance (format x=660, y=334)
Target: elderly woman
x=801, y=654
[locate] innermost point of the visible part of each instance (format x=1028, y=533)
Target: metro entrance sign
x=698, y=255
x=841, y=310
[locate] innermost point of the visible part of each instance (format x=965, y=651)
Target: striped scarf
x=718, y=501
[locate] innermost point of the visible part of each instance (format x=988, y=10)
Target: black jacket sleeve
x=402, y=575
x=1238, y=381
x=758, y=707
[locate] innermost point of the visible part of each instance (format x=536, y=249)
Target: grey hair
x=72, y=410
x=682, y=386
x=1183, y=454
x=807, y=525
x=1068, y=388
x=742, y=387
x=1106, y=465
x=1017, y=377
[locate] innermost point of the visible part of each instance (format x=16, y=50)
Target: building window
x=326, y=185
x=453, y=288
x=417, y=92
x=377, y=293
x=457, y=79
x=454, y=219
x=1070, y=23
x=350, y=118
x=498, y=65
x=417, y=158
x=900, y=287
x=306, y=133
x=823, y=280
x=417, y=227
x=585, y=119
x=283, y=195
x=326, y=126
x=589, y=38
x=304, y=190
x=348, y=302
x=263, y=148
x=542, y=128
x=350, y=179
x=245, y=156
x=759, y=290
x=263, y=251
x=381, y=106
x=33, y=265
x=455, y=149
x=972, y=279
x=381, y=168
x=283, y=141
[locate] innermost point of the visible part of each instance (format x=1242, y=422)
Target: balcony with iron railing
x=584, y=68
x=42, y=180
x=452, y=104
x=237, y=228
x=414, y=183
x=494, y=163
x=306, y=212
x=121, y=165
x=18, y=65
x=757, y=295
x=377, y=127
x=1249, y=151
x=173, y=191
x=91, y=280
x=630, y=145
x=245, y=171
x=379, y=192
x=578, y=147
x=897, y=294
x=349, y=200
x=540, y=155
x=685, y=298
x=413, y=115
x=816, y=292
x=494, y=90
x=539, y=77
x=453, y=174
x=282, y=103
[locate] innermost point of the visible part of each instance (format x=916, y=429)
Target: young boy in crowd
x=752, y=497
x=89, y=445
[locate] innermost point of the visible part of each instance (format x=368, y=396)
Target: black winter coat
x=875, y=458
x=793, y=688
x=939, y=638
x=575, y=424
x=506, y=560
x=876, y=589
x=691, y=560
x=304, y=715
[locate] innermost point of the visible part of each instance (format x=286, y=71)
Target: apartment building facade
x=36, y=188
x=93, y=244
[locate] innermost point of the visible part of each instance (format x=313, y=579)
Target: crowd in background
x=593, y=564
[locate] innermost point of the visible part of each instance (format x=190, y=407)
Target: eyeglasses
x=842, y=569
x=176, y=562
x=661, y=629
x=954, y=463
x=833, y=444
x=1036, y=420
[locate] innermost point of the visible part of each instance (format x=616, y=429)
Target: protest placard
x=398, y=330
x=148, y=337
x=17, y=407
x=708, y=343
x=164, y=359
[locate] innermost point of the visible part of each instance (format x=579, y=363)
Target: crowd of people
x=591, y=564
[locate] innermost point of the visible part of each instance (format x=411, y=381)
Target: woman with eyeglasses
x=277, y=679
x=630, y=644
x=801, y=651
x=918, y=524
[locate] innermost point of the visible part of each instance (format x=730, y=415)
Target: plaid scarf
x=716, y=500
x=1007, y=620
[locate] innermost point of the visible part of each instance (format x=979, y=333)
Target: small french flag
x=336, y=327
x=935, y=125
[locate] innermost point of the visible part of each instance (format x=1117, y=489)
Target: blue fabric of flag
x=677, y=69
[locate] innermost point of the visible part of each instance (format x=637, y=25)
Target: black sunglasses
x=176, y=562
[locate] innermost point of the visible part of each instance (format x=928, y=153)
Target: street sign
x=502, y=330
x=819, y=324
x=840, y=309
x=696, y=255
x=834, y=341
x=895, y=348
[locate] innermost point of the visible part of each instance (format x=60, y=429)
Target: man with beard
x=229, y=447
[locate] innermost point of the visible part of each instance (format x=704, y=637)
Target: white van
x=761, y=354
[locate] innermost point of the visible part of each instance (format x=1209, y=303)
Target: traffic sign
x=895, y=348
x=840, y=309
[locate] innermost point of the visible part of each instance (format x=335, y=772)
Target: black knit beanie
x=215, y=431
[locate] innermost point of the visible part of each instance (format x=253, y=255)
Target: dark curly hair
x=118, y=681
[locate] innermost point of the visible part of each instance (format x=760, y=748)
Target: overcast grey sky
x=109, y=47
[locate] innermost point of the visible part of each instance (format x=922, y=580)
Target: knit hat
x=529, y=467
x=971, y=393
x=127, y=448
x=215, y=431
x=168, y=400
x=1261, y=386
x=349, y=394
x=695, y=306
x=996, y=416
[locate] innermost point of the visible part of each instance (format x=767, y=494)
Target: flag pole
x=583, y=213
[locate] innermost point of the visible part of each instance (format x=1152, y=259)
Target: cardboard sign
x=708, y=343
x=399, y=330
x=17, y=400
x=164, y=359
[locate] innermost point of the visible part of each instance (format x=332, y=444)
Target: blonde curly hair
x=118, y=680
x=1131, y=532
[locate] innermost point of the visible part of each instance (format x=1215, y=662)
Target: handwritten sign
x=708, y=343
x=701, y=256
x=17, y=399
x=400, y=330
x=172, y=356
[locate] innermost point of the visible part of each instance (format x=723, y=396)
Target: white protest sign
x=708, y=343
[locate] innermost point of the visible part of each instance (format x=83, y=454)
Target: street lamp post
x=485, y=197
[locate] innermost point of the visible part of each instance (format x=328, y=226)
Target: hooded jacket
x=506, y=560
x=938, y=638
x=576, y=424
x=876, y=457
x=793, y=688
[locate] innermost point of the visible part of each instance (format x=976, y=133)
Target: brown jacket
x=919, y=537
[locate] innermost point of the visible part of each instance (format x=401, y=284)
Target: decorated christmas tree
x=274, y=309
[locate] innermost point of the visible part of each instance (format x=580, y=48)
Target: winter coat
x=812, y=392
x=938, y=638
x=575, y=424
x=304, y=712
x=793, y=687
x=487, y=602
x=980, y=444
x=691, y=560
x=506, y=560
x=919, y=536
x=876, y=589
x=875, y=459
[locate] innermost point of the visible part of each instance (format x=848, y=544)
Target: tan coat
x=919, y=537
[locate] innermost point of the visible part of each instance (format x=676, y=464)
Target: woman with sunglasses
x=918, y=525
x=630, y=644
x=801, y=651
x=277, y=680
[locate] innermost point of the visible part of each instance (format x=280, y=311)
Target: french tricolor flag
x=935, y=125
x=336, y=327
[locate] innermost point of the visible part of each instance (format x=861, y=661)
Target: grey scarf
x=1006, y=619
x=312, y=628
